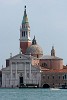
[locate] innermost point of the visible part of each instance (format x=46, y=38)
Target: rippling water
x=33, y=94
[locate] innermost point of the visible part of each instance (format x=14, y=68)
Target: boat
x=54, y=89
x=63, y=87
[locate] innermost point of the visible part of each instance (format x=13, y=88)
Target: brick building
x=31, y=67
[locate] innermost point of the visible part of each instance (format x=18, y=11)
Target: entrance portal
x=21, y=82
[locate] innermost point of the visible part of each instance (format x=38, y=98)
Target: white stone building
x=23, y=69
x=21, y=72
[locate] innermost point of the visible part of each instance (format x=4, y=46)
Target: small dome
x=35, y=50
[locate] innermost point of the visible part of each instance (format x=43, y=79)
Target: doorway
x=21, y=82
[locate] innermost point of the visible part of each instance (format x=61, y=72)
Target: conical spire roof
x=25, y=18
x=34, y=41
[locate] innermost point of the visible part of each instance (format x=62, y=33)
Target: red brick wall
x=52, y=63
x=57, y=81
x=24, y=46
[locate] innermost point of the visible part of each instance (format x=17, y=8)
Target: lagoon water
x=33, y=94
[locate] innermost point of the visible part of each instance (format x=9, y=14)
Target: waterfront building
x=21, y=71
x=31, y=67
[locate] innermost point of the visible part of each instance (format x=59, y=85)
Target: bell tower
x=53, y=51
x=25, y=40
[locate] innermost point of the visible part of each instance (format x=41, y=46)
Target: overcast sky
x=48, y=22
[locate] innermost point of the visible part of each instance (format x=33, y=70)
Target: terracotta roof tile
x=55, y=71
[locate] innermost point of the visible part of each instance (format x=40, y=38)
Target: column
x=16, y=71
x=25, y=71
x=16, y=82
x=11, y=73
x=30, y=71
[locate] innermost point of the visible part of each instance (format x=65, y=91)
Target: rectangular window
x=22, y=34
x=63, y=77
x=59, y=77
x=48, y=77
x=53, y=77
x=43, y=76
x=26, y=32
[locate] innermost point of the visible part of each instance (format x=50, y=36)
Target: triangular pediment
x=21, y=56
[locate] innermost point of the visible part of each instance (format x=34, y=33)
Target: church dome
x=35, y=50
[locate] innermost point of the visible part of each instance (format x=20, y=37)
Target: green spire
x=25, y=18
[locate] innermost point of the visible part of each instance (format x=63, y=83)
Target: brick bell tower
x=25, y=40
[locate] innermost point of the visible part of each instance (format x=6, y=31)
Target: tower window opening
x=24, y=33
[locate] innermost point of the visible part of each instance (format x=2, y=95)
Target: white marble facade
x=20, y=66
